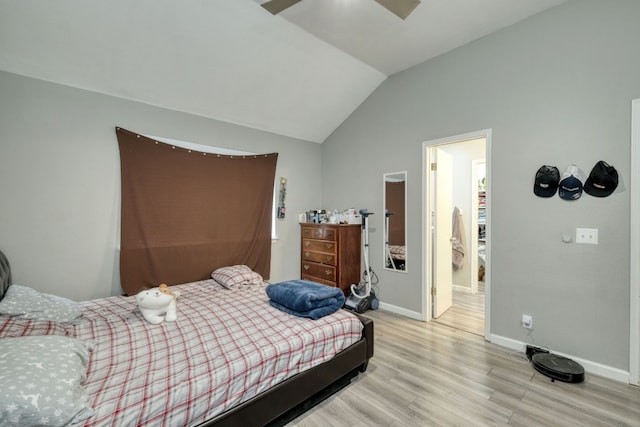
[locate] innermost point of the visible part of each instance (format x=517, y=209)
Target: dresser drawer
x=321, y=257
x=318, y=246
x=320, y=233
x=321, y=271
x=315, y=279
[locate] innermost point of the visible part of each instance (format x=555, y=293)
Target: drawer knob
x=306, y=267
x=327, y=272
x=307, y=254
x=329, y=245
x=307, y=243
x=329, y=258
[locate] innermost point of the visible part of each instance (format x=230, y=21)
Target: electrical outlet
x=587, y=235
x=527, y=321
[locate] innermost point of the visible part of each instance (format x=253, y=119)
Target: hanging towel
x=458, y=241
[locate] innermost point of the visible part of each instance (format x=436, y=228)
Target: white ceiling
x=299, y=74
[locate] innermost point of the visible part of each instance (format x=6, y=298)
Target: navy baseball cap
x=571, y=183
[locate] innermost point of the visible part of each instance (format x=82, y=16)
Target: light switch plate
x=587, y=235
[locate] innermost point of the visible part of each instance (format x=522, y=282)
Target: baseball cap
x=602, y=180
x=571, y=182
x=546, y=182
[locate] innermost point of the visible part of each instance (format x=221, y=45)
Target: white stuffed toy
x=158, y=304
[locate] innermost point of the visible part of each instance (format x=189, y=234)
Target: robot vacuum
x=558, y=367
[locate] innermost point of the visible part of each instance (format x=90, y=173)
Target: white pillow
x=42, y=381
x=28, y=303
x=236, y=275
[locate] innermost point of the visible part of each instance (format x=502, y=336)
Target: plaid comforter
x=226, y=347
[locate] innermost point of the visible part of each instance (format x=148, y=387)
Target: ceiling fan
x=401, y=8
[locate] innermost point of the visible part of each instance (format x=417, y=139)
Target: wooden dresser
x=331, y=254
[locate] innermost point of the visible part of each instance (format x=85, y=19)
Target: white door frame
x=427, y=223
x=474, y=224
x=634, y=252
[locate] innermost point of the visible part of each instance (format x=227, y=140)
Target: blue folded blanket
x=305, y=298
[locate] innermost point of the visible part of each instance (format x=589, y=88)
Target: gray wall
x=555, y=89
x=60, y=181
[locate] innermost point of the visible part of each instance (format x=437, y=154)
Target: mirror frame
x=399, y=176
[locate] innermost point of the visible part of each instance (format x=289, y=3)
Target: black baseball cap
x=546, y=182
x=602, y=180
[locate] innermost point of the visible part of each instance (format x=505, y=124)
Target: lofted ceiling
x=299, y=74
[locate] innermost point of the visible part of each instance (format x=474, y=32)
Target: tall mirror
x=395, y=220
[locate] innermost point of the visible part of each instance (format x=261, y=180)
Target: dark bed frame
x=287, y=400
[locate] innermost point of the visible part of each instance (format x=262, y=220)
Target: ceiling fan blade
x=277, y=6
x=402, y=8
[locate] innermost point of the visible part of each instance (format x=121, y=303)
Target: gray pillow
x=41, y=381
x=30, y=304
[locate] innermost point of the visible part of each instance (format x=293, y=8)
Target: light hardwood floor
x=467, y=311
x=429, y=374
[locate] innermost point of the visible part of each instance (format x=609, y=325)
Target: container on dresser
x=331, y=254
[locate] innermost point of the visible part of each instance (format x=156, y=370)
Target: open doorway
x=456, y=237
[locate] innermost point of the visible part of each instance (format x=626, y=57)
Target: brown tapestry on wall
x=185, y=213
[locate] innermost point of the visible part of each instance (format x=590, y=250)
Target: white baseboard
x=589, y=366
x=401, y=311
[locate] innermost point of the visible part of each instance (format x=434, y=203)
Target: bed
x=229, y=359
x=398, y=254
